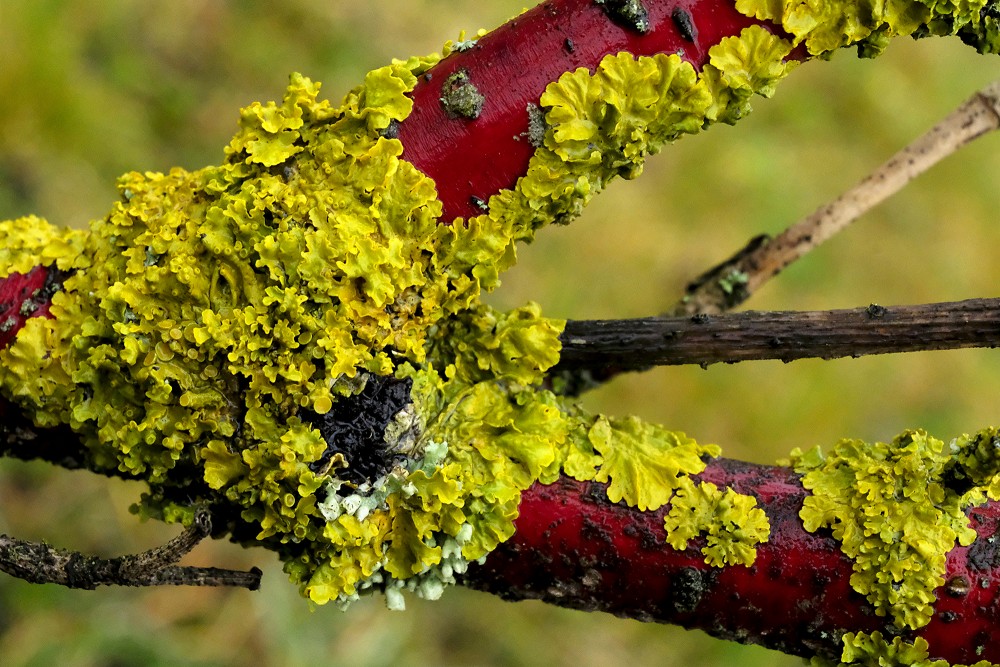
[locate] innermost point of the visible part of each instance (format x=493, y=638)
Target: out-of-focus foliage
x=90, y=90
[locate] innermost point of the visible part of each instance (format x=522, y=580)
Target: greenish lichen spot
x=218, y=312
x=460, y=97
x=897, y=509
x=630, y=14
x=734, y=282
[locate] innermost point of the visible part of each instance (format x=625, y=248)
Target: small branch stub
x=39, y=563
x=684, y=24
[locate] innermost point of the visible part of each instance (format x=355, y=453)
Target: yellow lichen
x=863, y=649
x=826, y=26
x=898, y=509
x=643, y=463
x=733, y=524
x=216, y=318
x=604, y=125
x=30, y=241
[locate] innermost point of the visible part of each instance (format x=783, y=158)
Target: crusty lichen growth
x=897, y=509
x=216, y=317
x=826, y=26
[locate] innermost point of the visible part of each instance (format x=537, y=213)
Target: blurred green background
x=90, y=89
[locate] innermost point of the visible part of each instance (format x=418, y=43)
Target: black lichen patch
x=876, y=312
x=687, y=589
x=392, y=130
x=684, y=24
x=629, y=14
x=355, y=428
x=54, y=279
x=461, y=99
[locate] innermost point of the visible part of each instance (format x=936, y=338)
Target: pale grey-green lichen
x=460, y=97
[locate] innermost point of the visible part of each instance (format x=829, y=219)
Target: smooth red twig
x=23, y=296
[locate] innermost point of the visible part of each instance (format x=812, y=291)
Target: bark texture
x=728, y=338
x=575, y=548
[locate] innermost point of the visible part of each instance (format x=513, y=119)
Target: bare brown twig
x=732, y=282
x=724, y=287
x=40, y=563
x=702, y=339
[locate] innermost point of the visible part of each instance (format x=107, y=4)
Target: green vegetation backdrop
x=91, y=89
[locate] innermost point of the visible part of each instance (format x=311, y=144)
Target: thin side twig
x=702, y=339
x=39, y=563
x=730, y=283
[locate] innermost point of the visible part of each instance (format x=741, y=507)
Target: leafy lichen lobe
x=862, y=648
x=897, y=509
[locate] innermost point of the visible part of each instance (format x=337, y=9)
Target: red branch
x=23, y=296
x=511, y=67
x=575, y=548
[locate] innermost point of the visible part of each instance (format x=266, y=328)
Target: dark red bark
x=575, y=548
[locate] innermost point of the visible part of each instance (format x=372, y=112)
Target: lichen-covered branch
x=295, y=337
x=576, y=549
x=702, y=339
